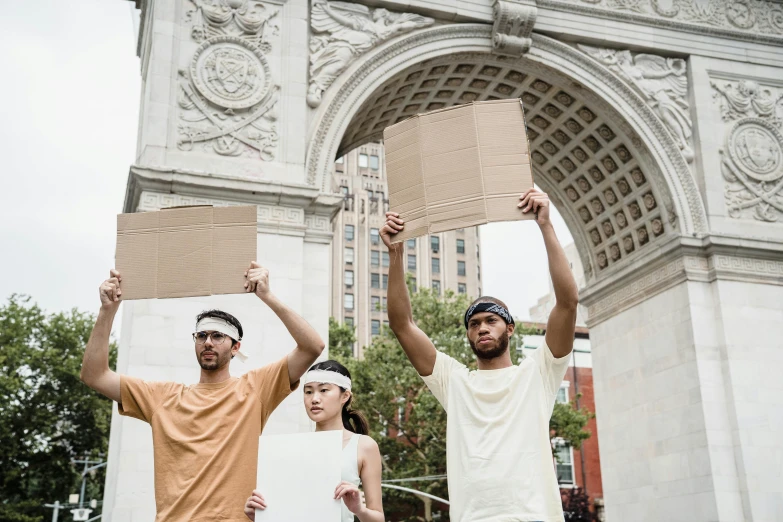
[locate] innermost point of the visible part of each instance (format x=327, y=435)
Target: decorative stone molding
x=753, y=20
x=684, y=268
x=752, y=156
x=513, y=25
x=227, y=97
x=268, y=215
x=343, y=31
x=662, y=82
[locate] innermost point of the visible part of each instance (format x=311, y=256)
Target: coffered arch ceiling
x=597, y=171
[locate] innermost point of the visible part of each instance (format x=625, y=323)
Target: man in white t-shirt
x=499, y=457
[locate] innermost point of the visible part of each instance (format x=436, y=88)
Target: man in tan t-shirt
x=205, y=436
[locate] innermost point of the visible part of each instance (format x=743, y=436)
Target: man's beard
x=218, y=362
x=492, y=353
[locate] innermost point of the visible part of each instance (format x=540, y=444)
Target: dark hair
x=353, y=420
x=220, y=314
x=489, y=299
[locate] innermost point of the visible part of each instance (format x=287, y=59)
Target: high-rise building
x=360, y=261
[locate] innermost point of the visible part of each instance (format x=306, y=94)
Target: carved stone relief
x=662, y=82
x=513, y=24
x=756, y=16
x=227, y=96
x=752, y=156
x=343, y=31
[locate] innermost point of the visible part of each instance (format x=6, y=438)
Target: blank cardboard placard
x=185, y=251
x=297, y=474
x=458, y=167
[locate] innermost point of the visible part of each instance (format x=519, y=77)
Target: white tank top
x=350, y=470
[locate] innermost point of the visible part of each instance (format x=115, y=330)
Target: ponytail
x=353, y=420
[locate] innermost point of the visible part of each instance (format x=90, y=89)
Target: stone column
x=223, y=122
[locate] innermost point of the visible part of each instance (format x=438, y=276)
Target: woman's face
x=324, y=401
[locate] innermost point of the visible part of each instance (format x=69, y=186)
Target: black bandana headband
x=488, y=307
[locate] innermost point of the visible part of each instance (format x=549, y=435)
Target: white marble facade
x=655, y=126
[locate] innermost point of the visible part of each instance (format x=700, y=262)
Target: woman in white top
x=327, y=399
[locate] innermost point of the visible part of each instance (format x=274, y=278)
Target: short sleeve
x=141, y=398
x=271, y=384
x=438, y=382
x=552, y=372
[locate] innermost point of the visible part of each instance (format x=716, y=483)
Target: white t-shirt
x=499, y=458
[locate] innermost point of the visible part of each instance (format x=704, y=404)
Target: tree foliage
x=405, y=418
x=341, y=339
x=47, y=416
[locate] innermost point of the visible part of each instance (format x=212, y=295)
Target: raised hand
x=351, y=496
x=254, y=501
x=257, y=280
x=393, y=225
x=537, y=201
x=110, y=291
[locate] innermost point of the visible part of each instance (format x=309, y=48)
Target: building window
x=436, y=286
x=349, y=232
x=411, y=262
x=370, y=195
x=344, y=190
x=435, y=244
x=374, y=162
x=363, y=160
x=562, y=395
x=349, y=255
x=462, y=288
x=375, y=258
x=460, y=246
x=376, y=326
x=385, y=281
x=412, y=243
x=374, y=237
x=375, y=303
x=348, y=301
x=349, y=278
x=385, y=258
x=565, y=464
x=384, y=304
x=349, y=322
x=413, y=284
x=460, y=267
x=375, y=280
x=436, y=265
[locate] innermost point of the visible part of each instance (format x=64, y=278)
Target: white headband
x=214, y=324
x=327, y=377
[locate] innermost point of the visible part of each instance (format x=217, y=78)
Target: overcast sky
x=68, y=136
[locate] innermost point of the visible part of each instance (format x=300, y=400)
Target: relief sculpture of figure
x=662, y=82
x=343, y=31
x=746, y=98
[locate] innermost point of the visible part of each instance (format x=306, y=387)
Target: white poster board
x=297, y=475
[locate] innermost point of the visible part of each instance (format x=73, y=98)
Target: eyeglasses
x=217, y=337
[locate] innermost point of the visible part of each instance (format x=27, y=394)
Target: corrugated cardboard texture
x=185, y=251
x=458, y=167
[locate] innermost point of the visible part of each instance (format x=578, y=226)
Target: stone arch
x=607, y=161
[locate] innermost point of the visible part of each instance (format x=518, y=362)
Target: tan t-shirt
x=205, y=439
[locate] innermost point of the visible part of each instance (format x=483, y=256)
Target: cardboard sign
x=297, y=474
x=185, y=251
x=458, y=167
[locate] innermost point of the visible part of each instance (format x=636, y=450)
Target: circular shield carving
x=230, y=72
x=756, y=147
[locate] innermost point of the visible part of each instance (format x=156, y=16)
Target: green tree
x=47, y=416
x=405, y=418
x=341, y=339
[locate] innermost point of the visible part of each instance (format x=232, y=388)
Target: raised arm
x=309, y=344
x=562, y=320
x=418, y=347
x=95, y=371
